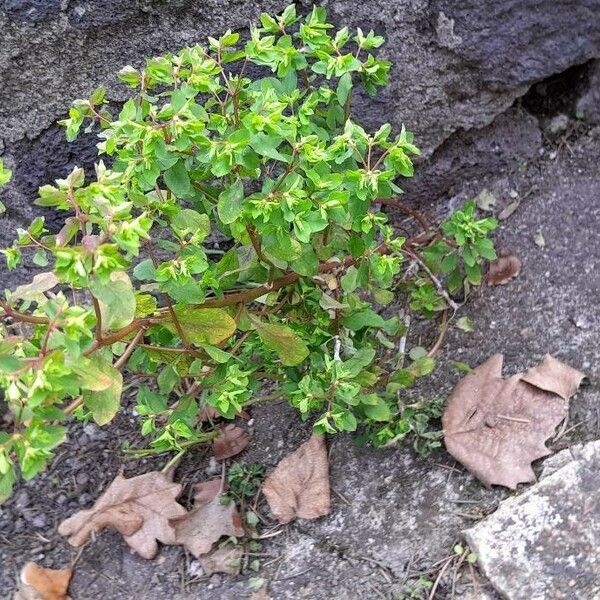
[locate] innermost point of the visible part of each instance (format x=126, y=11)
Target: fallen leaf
x=39, y=583
x=485, y=200
x=554, y=376
x=508, y=210
x=223, y=560
x=231, y=441
x=139, y=508
x=207, y=413
x=465, y=324
x=503, y=269
x=210, y=519
x=299, y=485
x=497, y=427
x=262, y=594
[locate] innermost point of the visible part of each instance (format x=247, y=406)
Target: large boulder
x=457, y=65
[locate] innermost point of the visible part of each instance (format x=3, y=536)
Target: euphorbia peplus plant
x=235, y=238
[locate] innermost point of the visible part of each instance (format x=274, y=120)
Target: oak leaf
x=299, y=485
x=139, y=508
x=497, y=427
x=210, y=519
x=223, y=560
x=231, y=441
x=39, y=583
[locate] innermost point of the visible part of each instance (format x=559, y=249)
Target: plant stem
x=418, y=216
x=98, y=319
x=172, y=464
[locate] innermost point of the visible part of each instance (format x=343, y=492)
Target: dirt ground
x=395, y=517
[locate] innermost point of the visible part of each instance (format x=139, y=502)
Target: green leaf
x=308, y=263
x=178, y=180
x=422, y=366
x=378, y=412
x=145, y=271
x=363, y=318
x=5, y=173
x=230, y=202
x=167, y=379
x=363, y=358
x=104, y=404
x=464, y=324
x=344, y=87
x=10, y=364
x=190, y=221
x=218, y=355
x=203, y=325
x=288, y=345
x=116, y=299
x=94, y=374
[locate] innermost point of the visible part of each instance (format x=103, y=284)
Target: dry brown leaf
x=503, y=269
x=208, y=413
x=231, y=441
x=39, y=583
x=139, y=508
x=554, y=376
x=223, y=560
x=299, y=485
x=210, y=519
x=262, y=594
x=497, y=427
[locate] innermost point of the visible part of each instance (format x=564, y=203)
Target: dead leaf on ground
x=497, y=427
x=554, y=376
x=485, y=200
x=503, y=269
x=138, y=508
x=40, y=583
x=508, y=210
x=208, y=413
x=262, y=594
x=299, y=485
x=209, y=520
x=223, y=560
x=231, y=441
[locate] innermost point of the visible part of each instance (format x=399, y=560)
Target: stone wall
x=457, y=65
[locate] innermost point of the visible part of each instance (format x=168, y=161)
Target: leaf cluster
x=232, y=235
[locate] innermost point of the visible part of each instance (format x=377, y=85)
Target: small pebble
x=213, y=467
x=195, y=569
x=21, y=499
x=39, y=522
x=84, y=499
x=82, y=478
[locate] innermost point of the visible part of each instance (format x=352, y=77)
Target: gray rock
x=457, y=65
x=588, y=105
x=517, y=545
x=512, y=138
x=39, y=521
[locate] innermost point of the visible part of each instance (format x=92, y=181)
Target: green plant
x=235, y=238
x=245, y=480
